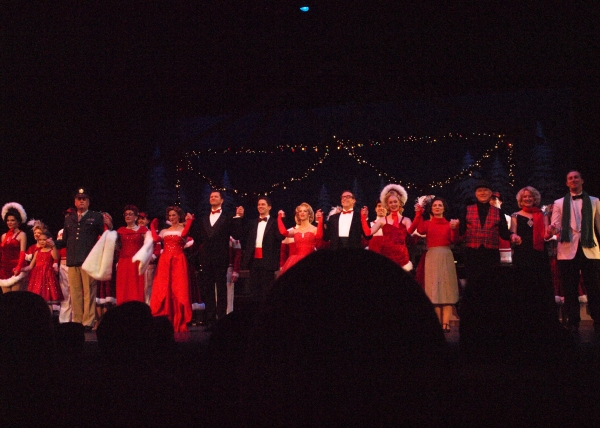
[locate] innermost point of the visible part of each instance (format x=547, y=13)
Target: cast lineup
x=88, y=267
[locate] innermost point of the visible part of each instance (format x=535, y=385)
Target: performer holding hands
x=12, y=248
x=306, y=236
x=396, y=228
x=441, y=282
x=171, y=292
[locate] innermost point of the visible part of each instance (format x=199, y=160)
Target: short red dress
x=43, y=280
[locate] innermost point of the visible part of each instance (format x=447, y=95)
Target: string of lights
x=350, y=148
x=271, y=188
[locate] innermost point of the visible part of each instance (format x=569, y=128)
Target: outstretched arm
x=282, y=229
x=153, y=227
x=319, y=218
x=189, y=219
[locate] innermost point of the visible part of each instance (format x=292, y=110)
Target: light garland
x=350, y=148
x=273, y=187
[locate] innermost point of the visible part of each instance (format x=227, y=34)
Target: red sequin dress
x=130, y=284
x=393, y=245
x=9, y=255
x=170, y=290
x=43, y=280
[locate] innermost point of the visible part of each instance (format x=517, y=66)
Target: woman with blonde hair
x=396, y=228
x=529, y=231
x=306, y=236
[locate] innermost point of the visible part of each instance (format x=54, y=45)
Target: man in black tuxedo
x=343, y=229
x=212, y=232
x=261, y=253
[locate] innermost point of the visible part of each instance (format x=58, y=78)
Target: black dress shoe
x=446, y=328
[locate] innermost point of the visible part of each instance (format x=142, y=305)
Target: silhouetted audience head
x=26, y=328
x=345, y=337
x=125, y=333
x=27, y=353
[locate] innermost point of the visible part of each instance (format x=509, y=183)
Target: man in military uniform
x=81, y=232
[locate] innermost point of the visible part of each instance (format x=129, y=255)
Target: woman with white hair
x=529, y=231
x=12, y=248
x=396, y=228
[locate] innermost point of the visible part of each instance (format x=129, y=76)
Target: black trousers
x=569, y=274
x=261, y=280
x=214, y=278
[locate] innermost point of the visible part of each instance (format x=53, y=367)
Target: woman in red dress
x=170, y=290
x=440, y=282
x=12, y=248
x=306, y=236
x=130, y=284
x=396, y=228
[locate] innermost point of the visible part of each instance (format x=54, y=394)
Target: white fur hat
x=17, y=207
x=396, y=188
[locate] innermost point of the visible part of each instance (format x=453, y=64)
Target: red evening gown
x=170, y=290
x=130, y=284
x=304, y=244
x=43, y=280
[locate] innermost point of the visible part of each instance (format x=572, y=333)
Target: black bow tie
x=576, y=197
x=262, y=219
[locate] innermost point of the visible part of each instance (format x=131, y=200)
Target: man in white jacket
x=575, y=218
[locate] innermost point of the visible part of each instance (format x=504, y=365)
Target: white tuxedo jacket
x=567, y=250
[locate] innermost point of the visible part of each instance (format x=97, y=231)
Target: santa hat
x=397, y=189
x=16, y=206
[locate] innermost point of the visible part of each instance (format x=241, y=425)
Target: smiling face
x=574, y=182
x=36, y=233
x=437, y=209
x=394, y=203
x=215, y=200
x=527, y=199
x=348, y=201
x=142, y=221
x=173, y=217
x=302, y=213
x=380, y=210
x=483, y=195
x=130, y=217
x=263, y=208
x=11, y=222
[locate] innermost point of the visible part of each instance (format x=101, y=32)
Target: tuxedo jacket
x=214, y=240
x=271, y=245
x=332, y=231
x=567, y=250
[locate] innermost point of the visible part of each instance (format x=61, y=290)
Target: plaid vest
x=476, y=235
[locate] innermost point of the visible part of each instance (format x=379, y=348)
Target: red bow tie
x=216, y=211
x=347, y=212
x=263, y=219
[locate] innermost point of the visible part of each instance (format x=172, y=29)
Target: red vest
x=476, y=235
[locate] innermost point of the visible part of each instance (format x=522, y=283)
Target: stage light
x=304, y=9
